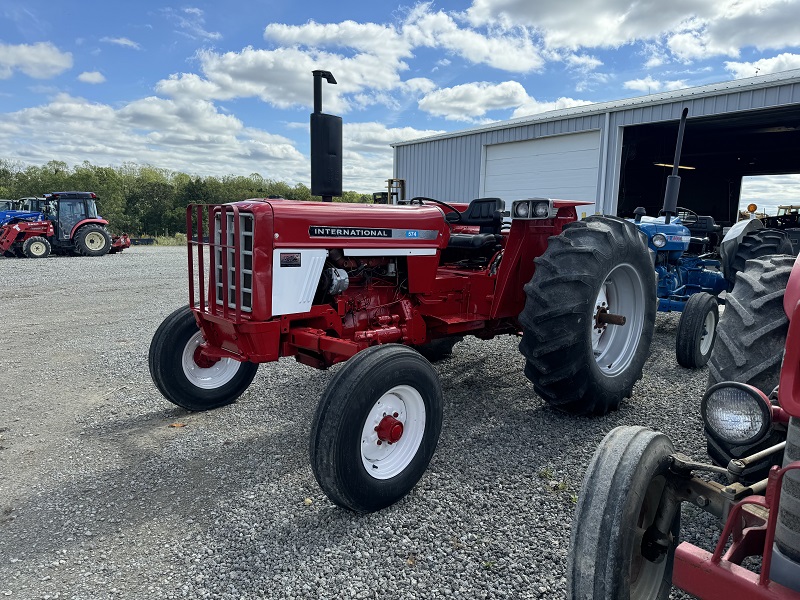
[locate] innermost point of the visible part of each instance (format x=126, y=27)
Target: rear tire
x=92, y=240
x=180, y=379
x=576, y=364
x=36, y=247
x=751, y=336
x=697, y=327
x=757, y=244
x=619, y=501
x=351, y=463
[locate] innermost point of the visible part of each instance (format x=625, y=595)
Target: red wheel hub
x=202, y=360
x=389, y=429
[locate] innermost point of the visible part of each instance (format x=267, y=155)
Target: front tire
x=751, y=336
x=697, y=328
x=621, y=492
x=376, y=428
x=92, y=240
x=577, y=363
x=177, y=375
x=36, y=247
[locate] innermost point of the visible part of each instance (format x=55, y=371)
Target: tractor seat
x=486, y=213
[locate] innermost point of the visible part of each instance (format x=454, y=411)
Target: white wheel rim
x=622, y=293
x=37, y=248
x=384, y=460
x=646, y=577
x=215, y=376
x=95, y=240
x=707, y=337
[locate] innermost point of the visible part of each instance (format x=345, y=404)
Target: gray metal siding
x=449, y=168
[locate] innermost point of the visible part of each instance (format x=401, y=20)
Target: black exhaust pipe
x=326, y=145
x=674, y=180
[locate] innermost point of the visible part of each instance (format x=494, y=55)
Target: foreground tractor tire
x=376, y=428
x=697, y=329
x=597, y=267
x=182, y=381
x=620, y=497
x=36, y=247
x=92, y=240
x=756, y=244
x=749, y=348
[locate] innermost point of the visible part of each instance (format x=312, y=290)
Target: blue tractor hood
x=7, y=216
x=677, y=236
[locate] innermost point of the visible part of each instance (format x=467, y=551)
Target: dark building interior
x=721, y=149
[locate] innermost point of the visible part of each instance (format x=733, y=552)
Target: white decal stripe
x=390, y=251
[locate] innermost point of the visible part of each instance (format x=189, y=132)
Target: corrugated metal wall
x=449, y=169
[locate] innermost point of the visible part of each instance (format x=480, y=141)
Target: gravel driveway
x=109, y=491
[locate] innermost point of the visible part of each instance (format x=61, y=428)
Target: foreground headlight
x=533, y=208
x=736, y=413
x=659, y=240
x=521, y=209
x=541, y=209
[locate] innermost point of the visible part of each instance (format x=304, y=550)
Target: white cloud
x=648, y=85
x=121, y=41
x=40, y=61
x=782, y=62
x=467, y=101
x=191, y=23
x=533, y=106
x=91, y=77
x=583, y=62
x=770, y=191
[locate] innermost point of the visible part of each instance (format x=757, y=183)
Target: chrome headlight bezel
x=742, y=407
x=533, y=209
x=659, y=240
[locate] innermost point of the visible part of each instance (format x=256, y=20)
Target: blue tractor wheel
x=697, y=330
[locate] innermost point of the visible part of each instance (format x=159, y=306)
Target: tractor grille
x=222, y=236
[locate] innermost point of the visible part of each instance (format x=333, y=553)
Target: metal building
x=618, y=154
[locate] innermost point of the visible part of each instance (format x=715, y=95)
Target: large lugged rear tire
x=92, y=240
x=749, y=349
x=577, y=364
x=619, y=501
x=376, y=428
x=757, y=244
x=182, y=381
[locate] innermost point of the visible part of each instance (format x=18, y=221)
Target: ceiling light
x=670, y=166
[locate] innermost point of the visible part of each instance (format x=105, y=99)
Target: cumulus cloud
x=782, y=62
x=121, y=41
x=649, y=85
x=467, y=101
x=533, y=106
x=40, y=61
x=91, y=77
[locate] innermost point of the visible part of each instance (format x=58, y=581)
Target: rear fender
x=80, y=224
x=792, y=295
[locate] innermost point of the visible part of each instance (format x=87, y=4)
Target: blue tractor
x=691, y=281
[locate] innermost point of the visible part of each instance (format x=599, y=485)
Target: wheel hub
x=202, y=360
x=389, y=429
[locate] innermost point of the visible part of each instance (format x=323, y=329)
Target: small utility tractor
x=63, y=223
x=383, y=287
x=691, y=282
x=625, y=533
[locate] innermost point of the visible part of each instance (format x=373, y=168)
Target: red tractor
x=385, y=286
x=625, y=532
x=62, y=222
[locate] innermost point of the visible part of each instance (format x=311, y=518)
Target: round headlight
x=736, y=413
x=659, y=240
x=521, y=210
x=541, y=209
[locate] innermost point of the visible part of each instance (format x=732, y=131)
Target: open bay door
x=561, y=166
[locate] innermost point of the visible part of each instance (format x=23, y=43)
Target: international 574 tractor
x=625, y=534
x=380, y=286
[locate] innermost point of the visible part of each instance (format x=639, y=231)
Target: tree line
x=142, y=199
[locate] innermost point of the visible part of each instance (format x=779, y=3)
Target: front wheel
x=376, y=428
x=589, y=315
x=36, y=247
x=697, y=329
x=616, y=550
x=187, y=378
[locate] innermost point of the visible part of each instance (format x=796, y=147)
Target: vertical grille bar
x=201, y=271
x=190, y=252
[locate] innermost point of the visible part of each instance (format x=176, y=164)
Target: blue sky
x=226, y=88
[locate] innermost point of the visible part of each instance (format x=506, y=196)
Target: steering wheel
x=683, y=213
x=420, y=199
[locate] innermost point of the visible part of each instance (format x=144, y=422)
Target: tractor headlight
x=736, y=413
x=522, y=209
x=533, y=208
x=659, y=240
x=541, y=209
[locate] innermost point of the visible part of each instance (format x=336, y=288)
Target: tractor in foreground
x=626, y=529
x=694, y=263
x=62, y=223
x=384, y=288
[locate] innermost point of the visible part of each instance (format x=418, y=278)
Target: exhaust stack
x=326, y=145
x=674, y=180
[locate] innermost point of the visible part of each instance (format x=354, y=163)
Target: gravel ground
x=109, y=491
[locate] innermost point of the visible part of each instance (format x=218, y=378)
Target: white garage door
x=562, y=166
